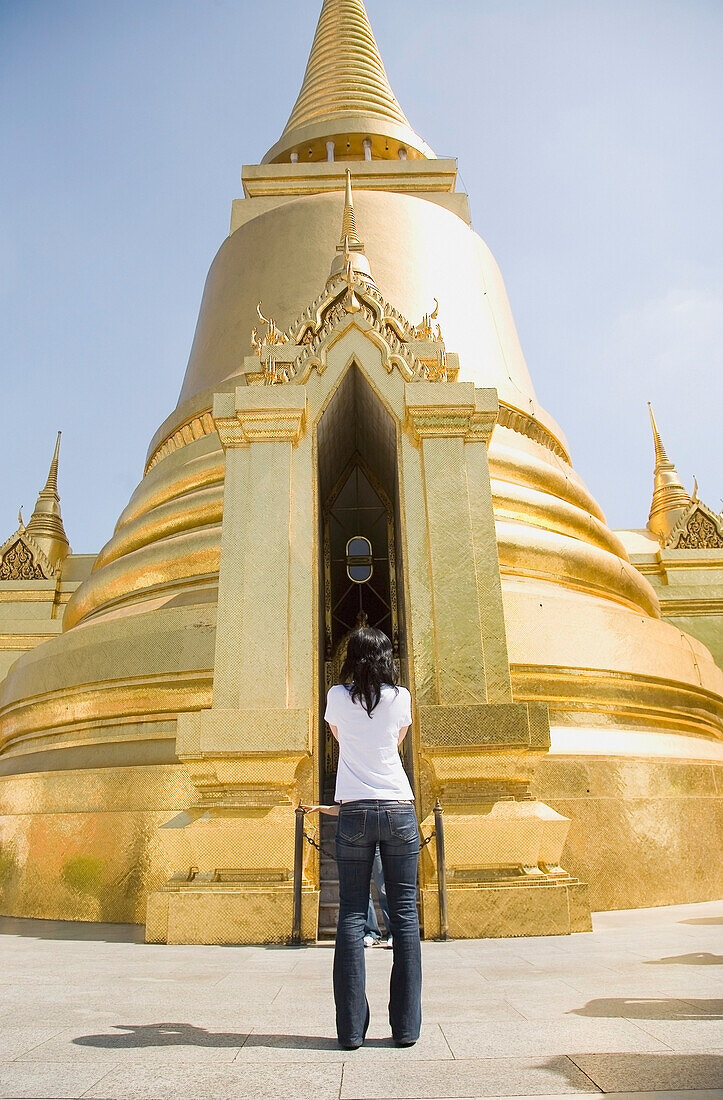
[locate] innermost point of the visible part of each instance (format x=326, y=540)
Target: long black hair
x=368, y=666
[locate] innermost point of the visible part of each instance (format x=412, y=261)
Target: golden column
x=476, y=745
x=248, y=753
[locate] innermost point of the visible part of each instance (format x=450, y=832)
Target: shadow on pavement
x=37, y=929
x=702, y=920
x=162, y=1035
x=651, y=1008
x=132, y=1036
x=697, y=958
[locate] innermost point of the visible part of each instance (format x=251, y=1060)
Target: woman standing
x=369, y=716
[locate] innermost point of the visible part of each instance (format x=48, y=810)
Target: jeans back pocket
x=351, y=824
x=402, y=824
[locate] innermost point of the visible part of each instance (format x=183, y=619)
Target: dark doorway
x=357, y=458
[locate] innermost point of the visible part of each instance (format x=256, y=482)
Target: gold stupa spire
x=345, y=96
x=348, y=222
x=350, y=258
x=46, y=523
x=670, y=499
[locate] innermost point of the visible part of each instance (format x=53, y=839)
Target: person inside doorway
x=372, y=932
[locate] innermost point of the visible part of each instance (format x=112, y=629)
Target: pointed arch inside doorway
x=357, y=446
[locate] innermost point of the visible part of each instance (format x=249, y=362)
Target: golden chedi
x=358, y=439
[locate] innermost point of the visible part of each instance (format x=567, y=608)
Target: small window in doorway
x=359, y=565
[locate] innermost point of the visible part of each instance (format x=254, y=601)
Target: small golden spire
x=670, y=499
x=350, y=259
x=348, y=222
x=46, y=523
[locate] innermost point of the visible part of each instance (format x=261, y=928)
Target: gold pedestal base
x=491, y=910
x=229, y=913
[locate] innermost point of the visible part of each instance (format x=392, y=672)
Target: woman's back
x=369, y=717
x=369, y=761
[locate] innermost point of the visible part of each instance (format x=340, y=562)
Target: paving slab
x=230, y=1082
x=18, y=1040
x=650, y=1072
x=701, y=1035
x=464, y=1078
x=47, y=1081
x=531, y=1038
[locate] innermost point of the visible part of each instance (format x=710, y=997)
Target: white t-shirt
x=369, y=761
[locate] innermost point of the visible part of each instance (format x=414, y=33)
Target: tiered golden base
x=228, y=912
x=477, y=910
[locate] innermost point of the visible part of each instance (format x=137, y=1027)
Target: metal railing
x=300, y=835
x=298, y=873
x=438, y=834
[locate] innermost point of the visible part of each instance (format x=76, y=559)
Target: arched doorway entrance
x=360, y=587
x=361, y=570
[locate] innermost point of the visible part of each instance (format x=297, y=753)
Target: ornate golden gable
x=21, y=559
x=350, y=298
x=699, y=528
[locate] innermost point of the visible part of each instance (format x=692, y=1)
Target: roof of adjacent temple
x=345, y=95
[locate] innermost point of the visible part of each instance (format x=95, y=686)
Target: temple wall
x=644, y=832
x=87, y=844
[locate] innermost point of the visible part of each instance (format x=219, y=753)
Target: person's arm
x=330, y=716
x=331, y=811
x=406, y=716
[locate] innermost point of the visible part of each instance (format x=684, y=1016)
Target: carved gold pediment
x=699, y=528
x=21, y=559
x=418, y=352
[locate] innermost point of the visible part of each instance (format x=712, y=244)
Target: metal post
x=298, y=861
x=441, y=869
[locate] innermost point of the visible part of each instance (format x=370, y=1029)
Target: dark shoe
x=404, y=1042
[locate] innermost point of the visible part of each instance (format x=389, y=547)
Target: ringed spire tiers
x=46, y=523
x=346, y=108
x=670, y=500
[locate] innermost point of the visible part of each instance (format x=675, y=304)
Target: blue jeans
x=393, y=826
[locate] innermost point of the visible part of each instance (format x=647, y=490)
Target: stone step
x=329, y=876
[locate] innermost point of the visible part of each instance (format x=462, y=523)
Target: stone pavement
x=91, y=1011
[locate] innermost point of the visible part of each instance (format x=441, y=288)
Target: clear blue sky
x=588, y=138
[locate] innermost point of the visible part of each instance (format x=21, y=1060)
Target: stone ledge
x=486, y=725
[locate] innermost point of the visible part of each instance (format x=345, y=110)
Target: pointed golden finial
x=21, y=521
x=345, y=96
x=51, y=484
x=350, y=259
x=694, y=496
x=348, y=222
x=670, y=499
x=660, y=454
x=46, y=523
